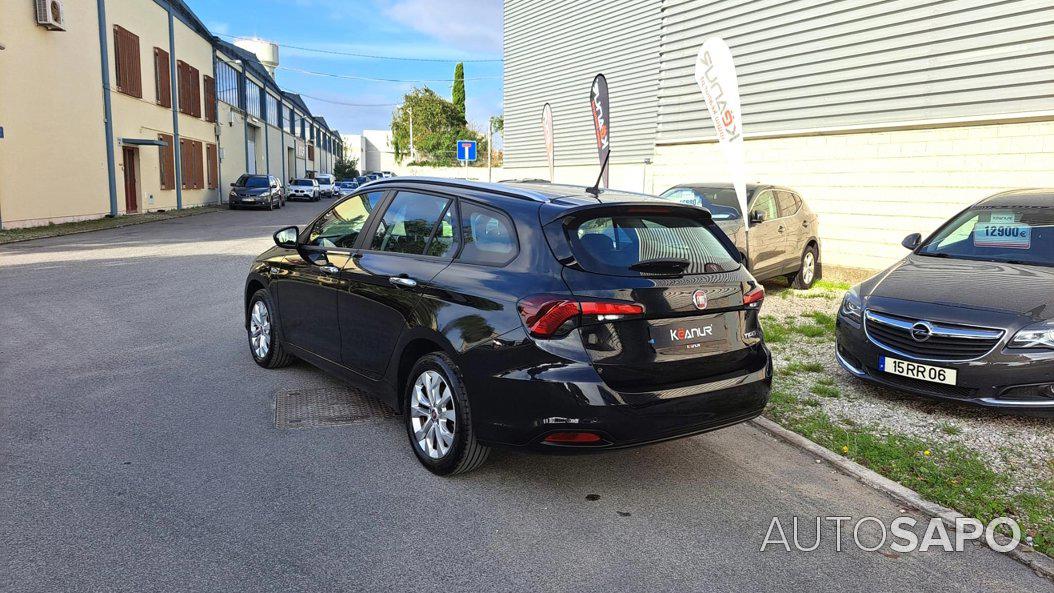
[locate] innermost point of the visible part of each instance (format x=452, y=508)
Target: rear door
x=794, y=232
x=389, y=276
x=681, y=268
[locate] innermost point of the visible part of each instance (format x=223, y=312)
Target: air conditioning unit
x=50, y=15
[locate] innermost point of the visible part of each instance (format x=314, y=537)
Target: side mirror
x=912, y=241
x=233, y=184
x=757, y=216
x=287, y=237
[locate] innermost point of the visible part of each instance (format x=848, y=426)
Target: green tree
x=346, y=169
x=437, y=125
x=458, y=95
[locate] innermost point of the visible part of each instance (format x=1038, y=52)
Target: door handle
x=403, y=282
x=330, y=269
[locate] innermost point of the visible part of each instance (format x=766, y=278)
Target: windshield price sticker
x=1011, y=235
x=1002, y=218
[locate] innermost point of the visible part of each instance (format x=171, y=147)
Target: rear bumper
x=521, y=408
x=996, y=380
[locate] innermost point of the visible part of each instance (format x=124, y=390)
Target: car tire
x=442, y=410
x=270, y=204
x=265, y=345
x=809, y=271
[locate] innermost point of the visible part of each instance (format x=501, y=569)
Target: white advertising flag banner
x=716, y=75
x=547, y=131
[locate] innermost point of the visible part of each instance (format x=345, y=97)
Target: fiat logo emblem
x=699, y=299
x=921, y=331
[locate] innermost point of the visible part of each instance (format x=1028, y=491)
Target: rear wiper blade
x=677, y=264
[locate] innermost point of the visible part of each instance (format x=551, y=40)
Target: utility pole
x=490, y=147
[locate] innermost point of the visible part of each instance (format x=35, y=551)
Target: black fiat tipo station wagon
x=556, y=318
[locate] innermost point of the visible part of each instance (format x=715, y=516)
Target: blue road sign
x=466, y=150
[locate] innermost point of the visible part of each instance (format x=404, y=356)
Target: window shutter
x=311, y=152
x=210, y=99
x=127, y=69
x=195, y=92
x=167, y=156
x=162, y=78
x=212, y=158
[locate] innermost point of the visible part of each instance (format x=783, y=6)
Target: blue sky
x=448, y=29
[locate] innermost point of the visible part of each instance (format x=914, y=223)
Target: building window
x=311, y=152
x=167, y=164
x=271, y=109
x=252, y=98
x=128, y=71
x=210, y=99
x=190, y=160
x=227, y=83
x=189, y=89
x=162, y=78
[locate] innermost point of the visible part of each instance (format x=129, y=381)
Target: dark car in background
x=969, y=314
x=256, y=191
x=535, y=316
x=784, y=232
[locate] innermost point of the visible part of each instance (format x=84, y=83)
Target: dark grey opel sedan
x=969, y=314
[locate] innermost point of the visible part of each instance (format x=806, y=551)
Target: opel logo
x=921, y=331
x=699, y=298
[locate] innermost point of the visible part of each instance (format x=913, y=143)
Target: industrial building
x=114, y=107
x=888, y=116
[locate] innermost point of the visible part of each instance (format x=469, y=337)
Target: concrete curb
x=208, y=209
x=1042, y=564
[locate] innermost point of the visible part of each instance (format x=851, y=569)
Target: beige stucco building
x=181, y=115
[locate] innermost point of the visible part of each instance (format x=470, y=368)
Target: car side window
x=340, y=226
x=409, y=222
x=788, y=206
x=766, y=204
x=489, y=236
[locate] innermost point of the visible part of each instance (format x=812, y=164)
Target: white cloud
x=474, y=25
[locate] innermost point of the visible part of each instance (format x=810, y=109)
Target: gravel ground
x=1021, y=447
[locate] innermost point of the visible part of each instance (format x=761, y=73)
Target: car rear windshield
x=252, y=181
x=650, y=245
x=721, y=202
x=1009, y=234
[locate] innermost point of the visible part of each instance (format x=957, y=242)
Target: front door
x=389, y=278
x=309, y=281
x=250, y=140
x=131, y=180
x=766, y=237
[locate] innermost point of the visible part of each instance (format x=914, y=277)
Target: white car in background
x=303, y=189
x=327, y=185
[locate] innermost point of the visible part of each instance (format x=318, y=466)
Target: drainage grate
x=312, y=408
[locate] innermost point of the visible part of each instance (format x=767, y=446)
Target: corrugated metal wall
x=820, y=64
x=553, y=49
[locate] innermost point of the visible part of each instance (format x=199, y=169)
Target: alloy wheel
x=808, y=268
x=432, y=414
x=260, y=330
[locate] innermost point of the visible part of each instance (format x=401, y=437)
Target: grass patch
x=825, y=390
x=831, y=285
x=803, y=367
x=778, y=331
x=947, y=473
x=70, y=228
x=950, y=429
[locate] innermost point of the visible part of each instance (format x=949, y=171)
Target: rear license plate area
x=690, y=335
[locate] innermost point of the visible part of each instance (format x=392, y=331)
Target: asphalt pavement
x=138, y=452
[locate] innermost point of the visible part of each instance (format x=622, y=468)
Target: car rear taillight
x=754, y=298
x=546, y=316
